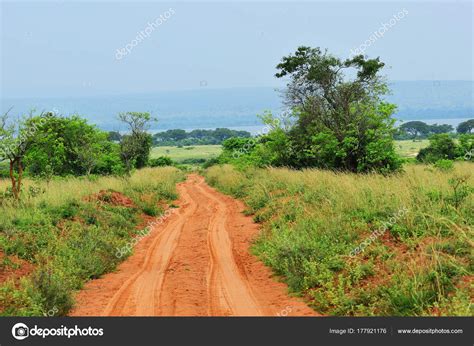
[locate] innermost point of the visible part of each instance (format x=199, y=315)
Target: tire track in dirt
x=196, y=263
x=229, y=294
x=144, y=284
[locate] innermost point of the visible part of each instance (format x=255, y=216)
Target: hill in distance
x=446, y=101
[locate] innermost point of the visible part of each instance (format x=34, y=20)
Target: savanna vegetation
x=420, y=130
x=351, y=221
x=69, y=230
x=335, y=122
x=193, y=154
x=178, y=137
x=347, y=222
x=71, y=199
x=443, y=147
x=416, y=225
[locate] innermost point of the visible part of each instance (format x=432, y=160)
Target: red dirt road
x=195, y=263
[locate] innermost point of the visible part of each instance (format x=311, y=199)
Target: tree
x=90, y=150
x=69, y=145
x=442, y=147
x=416, y=129
x=114, y=136
x=137, y=122
x=128, y=152
x=135, y=147
x=466, y=126
x=14, y=143
x=196, y=137
x=341, y=123
x=442, y=128
x=176, y=134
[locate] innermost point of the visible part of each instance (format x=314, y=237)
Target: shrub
x=466, y=147
x=442, y=147
x=51, y=290
x=160, y=162
x=69, y=145
x=444, y=165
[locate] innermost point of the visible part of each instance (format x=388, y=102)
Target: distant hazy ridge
x=210, y=108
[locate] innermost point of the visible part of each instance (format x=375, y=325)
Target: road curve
x=194, y=263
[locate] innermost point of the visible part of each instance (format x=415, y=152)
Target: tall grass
x=60, y=190
x=71, y=235
x=420, y=263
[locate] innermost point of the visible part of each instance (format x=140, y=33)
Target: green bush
x=444, y=165
x=51, y=290
x=160, y=162
x=442, y=147
x=69, y=145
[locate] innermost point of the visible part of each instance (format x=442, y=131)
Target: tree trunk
x=20, y=176
x=12, y=178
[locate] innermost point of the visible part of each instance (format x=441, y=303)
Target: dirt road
x=195, y=263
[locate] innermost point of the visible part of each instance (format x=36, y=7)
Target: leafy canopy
x=340, y=121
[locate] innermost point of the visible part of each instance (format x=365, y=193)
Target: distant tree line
x=178, y=137
x=420, y=130
x=466, y=127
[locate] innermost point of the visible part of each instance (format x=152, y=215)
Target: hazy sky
x=70, y=48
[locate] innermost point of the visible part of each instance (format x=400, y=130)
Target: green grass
x=201, y=153
x=421, y=262
x=71, y=234
x=191, y=154
x=409, y=148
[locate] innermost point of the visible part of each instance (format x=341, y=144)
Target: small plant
x=150, y=210
x=34, y=191
x=460, y=190
x=106, y=197
x=51, y=291
x=8, y=263
x=69, y=210
x=444, y=165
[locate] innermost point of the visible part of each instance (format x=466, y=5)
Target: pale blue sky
x=68, y=48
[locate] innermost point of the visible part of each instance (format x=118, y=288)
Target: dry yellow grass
x=61, y=190
x=314, y=220
x=69, y=238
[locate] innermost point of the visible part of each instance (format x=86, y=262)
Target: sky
x=61, y=48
